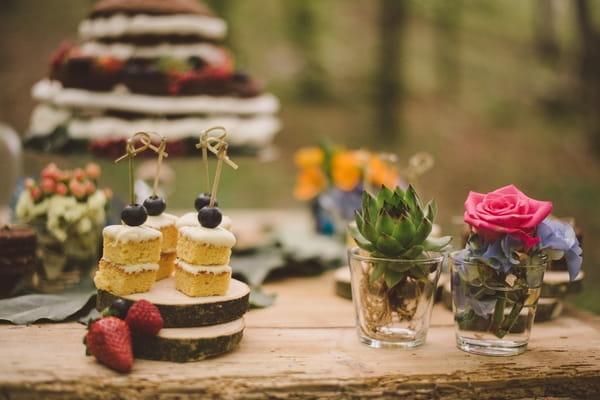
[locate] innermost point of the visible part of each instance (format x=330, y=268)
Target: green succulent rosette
x=395, y=224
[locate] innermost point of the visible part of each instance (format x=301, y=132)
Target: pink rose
x=506, y=211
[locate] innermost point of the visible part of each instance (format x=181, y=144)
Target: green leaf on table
x=31, y=308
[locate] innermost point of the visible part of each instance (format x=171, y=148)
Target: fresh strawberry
x=109, y=340
x=144, y=318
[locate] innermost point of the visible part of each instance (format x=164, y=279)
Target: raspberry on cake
x=202, y=262
x=130, y=257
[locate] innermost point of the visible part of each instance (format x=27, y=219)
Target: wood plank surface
x=305, y=346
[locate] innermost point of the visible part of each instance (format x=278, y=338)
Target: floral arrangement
x=334, y=178
x=509, y=230
x=326, y=166
x=66, y=203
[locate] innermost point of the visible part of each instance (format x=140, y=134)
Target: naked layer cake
x=148, y=65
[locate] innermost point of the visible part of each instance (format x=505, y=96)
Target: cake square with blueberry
x=130, y=257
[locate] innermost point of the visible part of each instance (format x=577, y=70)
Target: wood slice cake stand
x=181, y=311
x=189, y=344
x=194, y=328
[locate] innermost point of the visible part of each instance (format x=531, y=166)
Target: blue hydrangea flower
x=502, y=254
x=558, y=235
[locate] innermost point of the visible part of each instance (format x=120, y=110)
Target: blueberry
x=241, y=76
x=210, y=217
x=134, y=214
x=203, y=200
x=196, y=62
x=155, y=205
x=120, y=307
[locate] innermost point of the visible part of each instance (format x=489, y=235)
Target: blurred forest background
x=497, y=91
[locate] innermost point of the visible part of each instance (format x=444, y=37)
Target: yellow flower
x=309, y=157
x=309, y=183
x=379, y=173
x=346, y=169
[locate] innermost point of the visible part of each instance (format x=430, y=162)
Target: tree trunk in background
x=389, y=89
x=447, y=47
x=545, y=32
x=304, y=30
x=589, y=70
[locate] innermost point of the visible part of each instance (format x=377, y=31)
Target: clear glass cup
x=494, y=311
x=396, y=317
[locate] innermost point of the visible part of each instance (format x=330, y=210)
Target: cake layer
x=208, y=52
x=112, y=278
x=202, y=283
x=118, y=25
x=165, y=223
x=205, y=246
x=166, y=265
x=131, y=245
x=106, y=8
x=17, y=240
x=53, y=92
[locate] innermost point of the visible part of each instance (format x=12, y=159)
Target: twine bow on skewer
x=132, y=151
x=217, y=146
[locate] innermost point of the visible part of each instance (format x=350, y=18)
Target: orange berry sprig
x=79, y=183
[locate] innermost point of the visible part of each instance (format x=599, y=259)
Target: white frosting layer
x=191, y=219
x=125, y=233
x=196, y=269
x=121, y=99
x=240, y=131
x=45, y=118
x=140, y=24
x=209, y=52
x=130, y=269
x=218, y=236
x=160, y=221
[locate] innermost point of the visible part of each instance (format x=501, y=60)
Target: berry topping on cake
x=203, y=200
x=109, y=340
x=155, y=205
x=144, y=318
x=134, y=215
x=210, y=217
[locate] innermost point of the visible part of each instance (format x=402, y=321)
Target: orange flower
x=346, y=169
x=379, y=173
x=310, y=182
x=309, y=157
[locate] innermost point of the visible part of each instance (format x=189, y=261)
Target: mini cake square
x=166, y=224
x=125, y=279
x=205, y=246
x=199, y=281
x=129, y=245
x=166, y=265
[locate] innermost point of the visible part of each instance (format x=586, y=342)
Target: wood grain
x=179, y=310
x=305, y=347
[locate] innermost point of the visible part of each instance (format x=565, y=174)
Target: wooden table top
x=305, y=346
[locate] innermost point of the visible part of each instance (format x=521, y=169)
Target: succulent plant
x=395, y=224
